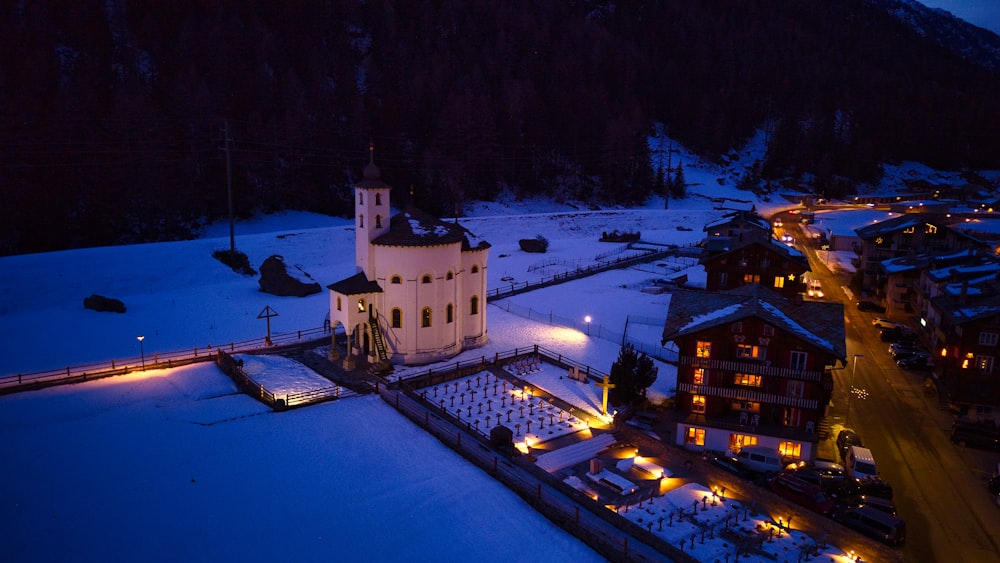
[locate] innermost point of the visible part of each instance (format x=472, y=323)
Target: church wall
x=412, y=342
x=474, y=326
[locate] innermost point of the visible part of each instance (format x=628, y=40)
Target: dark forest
x=117, y=116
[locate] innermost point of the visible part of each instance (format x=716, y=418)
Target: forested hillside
x=115, y=114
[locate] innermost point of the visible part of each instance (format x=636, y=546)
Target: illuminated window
x=699, y=376
x=425, y=279
x=695, y=436
x=361, y=305
x=984, y=364
x=738, y=441
x=790, y=449
x=449, y=313
x=425, y=317
x=779, y=281
x=474, y=305
x=704, y=350
x=797, y=360
x=750, y=351
x=751, y=278
x=747, y=379
x=396, y=280
x=988, y=339
x=397, y=318
x=698, y=404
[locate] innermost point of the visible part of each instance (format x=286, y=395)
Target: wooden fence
x=234, y=369
x=155, y=360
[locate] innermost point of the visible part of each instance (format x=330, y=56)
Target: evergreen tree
x=677, y=188
x=632, y=373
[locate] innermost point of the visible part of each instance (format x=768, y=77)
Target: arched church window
x=338, y=303
x=474, y=305
x=378, y=198
x=397, y=318
x=475, y=269
x=449, y=276
x=361, y=221
x=361, y=305
x=361, y=198
x=425, y=279
x=396, y=280
x=425, y=317
x=378, y=221
x=449, y=313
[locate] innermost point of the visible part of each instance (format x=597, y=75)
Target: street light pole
x=587, y=319
x=850, y=392
x=142, y=352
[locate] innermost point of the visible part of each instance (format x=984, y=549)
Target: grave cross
x=606, y=385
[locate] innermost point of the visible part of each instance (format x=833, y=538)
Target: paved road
x=939, y=487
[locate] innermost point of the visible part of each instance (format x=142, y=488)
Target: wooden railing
x=154, y=360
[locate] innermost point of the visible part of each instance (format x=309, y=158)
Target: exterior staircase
x=382, y=366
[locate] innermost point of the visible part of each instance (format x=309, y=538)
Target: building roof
x=413, y=227
x=908, y=220
x=715, y=250
x=892, y=225
x=743, y=217
x=358, y=284
x=821, y=324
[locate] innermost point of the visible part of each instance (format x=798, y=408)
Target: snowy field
x=177, y=465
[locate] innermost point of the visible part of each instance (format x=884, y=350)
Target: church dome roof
x=413, y=227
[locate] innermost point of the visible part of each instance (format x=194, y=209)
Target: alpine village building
x=419, y=293
x=754, y=368
x=741, y=250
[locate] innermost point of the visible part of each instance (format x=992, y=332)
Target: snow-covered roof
x=413, y=227
x=821, y=324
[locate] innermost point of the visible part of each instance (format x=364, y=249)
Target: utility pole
x=229, y=188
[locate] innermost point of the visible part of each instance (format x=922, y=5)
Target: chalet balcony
x=749, y=395
x=755, y=368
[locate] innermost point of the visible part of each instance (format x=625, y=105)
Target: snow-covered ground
x=176, y=464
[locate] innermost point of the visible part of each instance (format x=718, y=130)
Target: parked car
x=873, y=523
x=870, y=307
x=729, y=463
x=882, y=322
x=899, y=350
x=983, y=435
x=897, y=335
x=825, y=481
x=916, y=361
x=760, y=459
x=847, y=438
x=800, y=491
x=851, y=489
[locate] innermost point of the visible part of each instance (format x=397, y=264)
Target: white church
x=419, y=294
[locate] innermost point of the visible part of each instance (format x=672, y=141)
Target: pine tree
x=632, y=373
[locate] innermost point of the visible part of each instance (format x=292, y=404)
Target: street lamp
x=587, y=320
x=142, y=352
x=850, y=392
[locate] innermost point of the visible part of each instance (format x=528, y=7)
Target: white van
x=860, y=463
x=760, y=459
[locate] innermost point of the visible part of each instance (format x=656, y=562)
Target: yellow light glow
x=944, y=352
